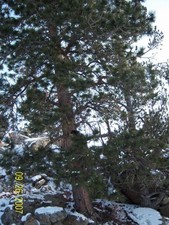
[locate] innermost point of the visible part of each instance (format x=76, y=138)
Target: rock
x=31, y=204
x=11, y=217
x=39, y=180
x=43, y=183
x=57, y=217
x=3, y=145
x=164, y=210
x=2, y=175
x=44, y=219
x=75, y=220
x=34, y=144
x=17, y=138
x=56, y=199
x=40, y=183
x=58, y=223
x=30, y=220
x=50, y=215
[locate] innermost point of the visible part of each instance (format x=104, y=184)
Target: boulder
x=10, y=217
x=39, y=180
x=164, y=210
x=29, y=220
x=56, y=199
x=31, y=204
x=34, y=144
x=75, y=220
x=58, y=223
x=50, y=215
x=16, y=138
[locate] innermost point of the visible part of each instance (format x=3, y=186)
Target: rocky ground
x=41, y=202
x=46, y=204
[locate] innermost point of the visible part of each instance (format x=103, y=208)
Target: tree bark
x=66, y=114
x=81, y=196
x=82, y=200
x=131, y=119
x=80, y=193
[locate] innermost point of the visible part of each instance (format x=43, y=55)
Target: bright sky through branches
x=161, y=9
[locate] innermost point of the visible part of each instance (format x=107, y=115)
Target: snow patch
x=35, y=139
x=37, y=177
x=25, y=217
x=55, y=148
x=48, y=210
x=19, y=149
x=2, y=172
x=146, y=216
x=80, y=217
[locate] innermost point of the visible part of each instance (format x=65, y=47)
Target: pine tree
x=70, y=60
x=136, y=150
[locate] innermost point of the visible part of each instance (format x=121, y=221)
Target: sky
x=161, y=9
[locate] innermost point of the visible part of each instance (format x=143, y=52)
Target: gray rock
x=17, y=138
x=31, y=204
x=44, y=219
x=31, y=221
x=74, y=220
x=11, y=217
x=58, y=223
x=56, y=199
x=34, y=144
x=50, y=215
x=57, y=217
x=164, y=210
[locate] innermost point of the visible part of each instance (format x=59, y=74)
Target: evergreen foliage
x=69, y=63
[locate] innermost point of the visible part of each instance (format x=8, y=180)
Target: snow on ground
x=48, y=210
x=2, y=172
x=37, y=177
x=19, y=149
x=79, y=216
x=146, y=216
x=24, y=218
x=140, y=215
x=55, y=148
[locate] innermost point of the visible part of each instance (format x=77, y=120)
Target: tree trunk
x=81, y=196
x=80, y=193
x=130, y=112
x=67, y=115
x=82, y=200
